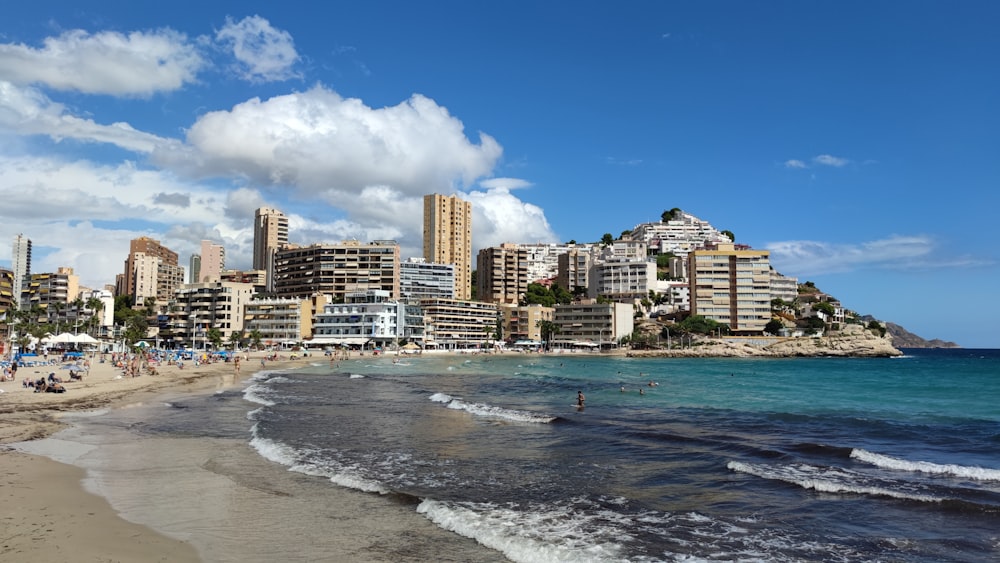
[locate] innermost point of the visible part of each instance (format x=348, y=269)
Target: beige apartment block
x=458, y=324
x=520, y=323
x=448, y=237
x=732, y=287
x=502, y=274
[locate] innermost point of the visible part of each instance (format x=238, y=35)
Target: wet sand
x=46, y=514
x=103, y=495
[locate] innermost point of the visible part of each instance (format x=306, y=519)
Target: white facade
x=784, y=287
x=622, y=280
x=278, y=321
x=368, y=318
x=679, y=236
x=419, y=279
x=20, y=259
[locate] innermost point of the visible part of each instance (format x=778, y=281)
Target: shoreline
x=47, y=513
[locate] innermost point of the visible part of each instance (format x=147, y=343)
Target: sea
x=698, y=459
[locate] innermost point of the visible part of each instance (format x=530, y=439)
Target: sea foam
x=557, y=534
x=482, y=409
x=887, y=462
x=826, y=480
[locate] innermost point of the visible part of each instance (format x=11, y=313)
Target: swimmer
x=641, y=392
x=580, y=399
x=623, y=388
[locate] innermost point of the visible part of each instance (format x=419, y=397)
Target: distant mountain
x=902, y=338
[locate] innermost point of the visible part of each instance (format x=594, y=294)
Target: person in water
x=580, y=399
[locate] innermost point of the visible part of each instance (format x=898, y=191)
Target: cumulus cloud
x=263, y=53
x=830, y=160
x=140, y=63
x=317, y=141
x=499, y=217
x=805, y=258
x=793, y=163
x=362, y=170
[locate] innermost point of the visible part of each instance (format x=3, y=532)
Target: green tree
x=824, y=307
x=214, y=336
x=548, y=329
x=670, y=215
x=876, y=327
x=698, y=324
x=255, y=338
x=663, y=260
x=607, y=239
x=136, y=328
x=773, y=327
x=234, y=339
x=95, y=306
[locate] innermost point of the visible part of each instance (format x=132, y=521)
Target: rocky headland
x=852, y=341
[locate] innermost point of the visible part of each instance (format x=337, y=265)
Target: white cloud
x=499, y=217
x=316, y=141
x=137, y=64
x=27, y=111
x=806, y=258
x=263, y=53
x=795, y=164
x=505, y=183
x=830, y=160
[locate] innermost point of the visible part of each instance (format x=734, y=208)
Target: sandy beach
x=46, y=513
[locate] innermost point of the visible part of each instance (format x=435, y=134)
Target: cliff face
x=853, y=341
x=906, y=339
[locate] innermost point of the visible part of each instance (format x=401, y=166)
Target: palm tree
x=77, y=306
x=234, y=339
x=57, y=308
x=95, y=306
x=548, y=329
x=255, y=337
x=214, y=336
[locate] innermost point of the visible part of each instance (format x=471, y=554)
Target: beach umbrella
x=142, y=344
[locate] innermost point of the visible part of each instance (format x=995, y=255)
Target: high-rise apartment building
x=20, y=259
x=448, y=237
x=213, y=262
x=732, y=287
x=145, y=256
x=502, y=274
x=270, y=232
x=194, y=268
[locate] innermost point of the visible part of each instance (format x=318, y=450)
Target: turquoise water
x=779, y=460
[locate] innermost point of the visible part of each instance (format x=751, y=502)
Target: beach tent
x=84, y=339
x=64, y=338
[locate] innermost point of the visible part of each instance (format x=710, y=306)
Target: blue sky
x=855, y=140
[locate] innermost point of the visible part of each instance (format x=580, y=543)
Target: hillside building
x=732, y=287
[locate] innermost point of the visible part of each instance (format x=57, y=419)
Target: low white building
x=366, y=319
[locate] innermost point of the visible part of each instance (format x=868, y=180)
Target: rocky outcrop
x=852, y=341
x=903, y=338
